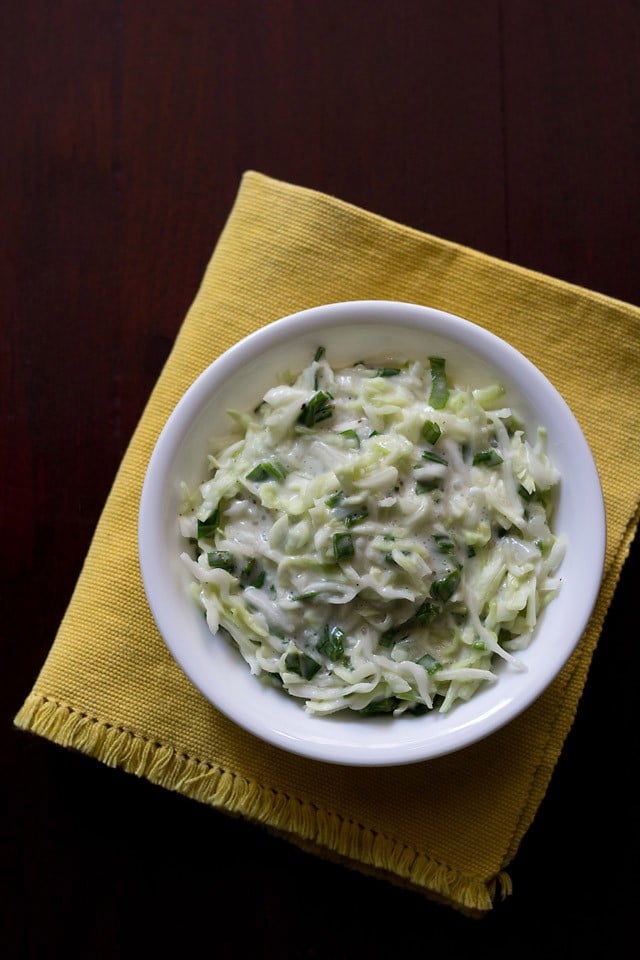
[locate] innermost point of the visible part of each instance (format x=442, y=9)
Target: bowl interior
x=370, y=331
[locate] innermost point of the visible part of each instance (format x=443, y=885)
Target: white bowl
x=354, y=331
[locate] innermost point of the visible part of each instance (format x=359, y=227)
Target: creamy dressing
x=374, y=539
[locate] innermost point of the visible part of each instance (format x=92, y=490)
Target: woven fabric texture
x=448, y=827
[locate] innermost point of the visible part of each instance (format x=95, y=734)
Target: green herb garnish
x=221, y=559
x=331, y=642
x=302, y=664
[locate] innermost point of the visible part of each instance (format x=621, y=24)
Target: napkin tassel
x=302, y=822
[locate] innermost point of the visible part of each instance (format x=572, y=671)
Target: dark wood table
x=513, y=127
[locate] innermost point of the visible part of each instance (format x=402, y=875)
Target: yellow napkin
x=448, y=827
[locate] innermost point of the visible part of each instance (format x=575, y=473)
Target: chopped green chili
x=431, y=431
x=350, y=435
x=388, y=371
x=426, y=486
x=430, y=664
x=419, y=709
x=390, y=558
x=439, y=388
x=426, y=613
x=443, y=588
x=267, y=470
x=207, y=528
x=385, y=705
x=535, y=495
x=319, y=354
x=389, y=637
x=249, y=571
x=434, y=457
x=334, y=499
x=489, y=458
x=343, y=546
x=444, y=543
x=351, y=519
x=318, y=408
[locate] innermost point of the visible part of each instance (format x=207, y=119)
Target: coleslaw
x=375, y=538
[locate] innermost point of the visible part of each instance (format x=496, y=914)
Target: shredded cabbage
x=376, y=539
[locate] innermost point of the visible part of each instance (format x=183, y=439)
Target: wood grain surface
x=512, y=126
